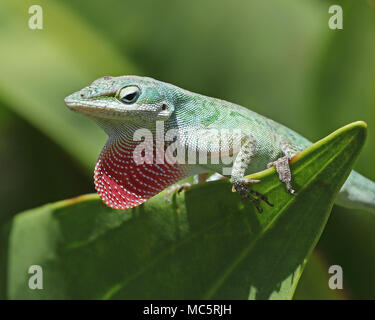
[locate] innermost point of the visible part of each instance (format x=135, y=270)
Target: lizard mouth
x=94, y=110
x=98, y=109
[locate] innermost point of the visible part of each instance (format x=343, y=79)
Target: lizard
x=139, y=159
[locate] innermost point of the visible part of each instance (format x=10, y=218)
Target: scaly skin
x=123, y=105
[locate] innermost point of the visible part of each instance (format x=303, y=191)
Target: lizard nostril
x=82, y=95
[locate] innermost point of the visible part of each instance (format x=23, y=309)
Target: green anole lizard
x=151, y=123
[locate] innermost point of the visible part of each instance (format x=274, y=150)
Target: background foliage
x=278, y=58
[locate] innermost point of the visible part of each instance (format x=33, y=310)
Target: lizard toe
x=246, y=193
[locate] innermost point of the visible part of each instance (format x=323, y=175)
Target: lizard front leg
x=240, y=183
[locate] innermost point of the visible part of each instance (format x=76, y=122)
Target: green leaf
x=39, y=68
x=204, y=244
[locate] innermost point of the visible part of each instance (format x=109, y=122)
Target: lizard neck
x=128, y=173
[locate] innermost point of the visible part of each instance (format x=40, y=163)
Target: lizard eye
x=129, y=94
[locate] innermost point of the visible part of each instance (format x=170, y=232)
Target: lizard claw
x=241, y=186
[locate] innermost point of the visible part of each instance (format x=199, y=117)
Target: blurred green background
x=278, y=58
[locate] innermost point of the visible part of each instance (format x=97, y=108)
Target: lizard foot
x=175, y=187
x=283, y=169
x=241, y=186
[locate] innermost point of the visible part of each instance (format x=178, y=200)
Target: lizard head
x=125, y=99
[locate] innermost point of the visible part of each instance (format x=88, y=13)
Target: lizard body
x=234, y=141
